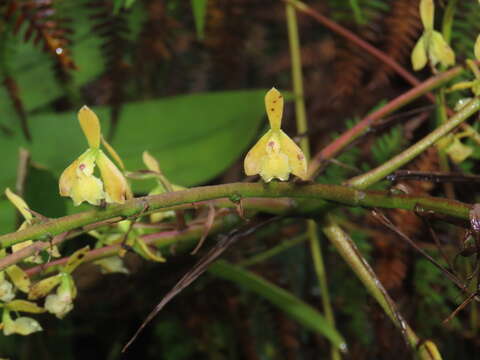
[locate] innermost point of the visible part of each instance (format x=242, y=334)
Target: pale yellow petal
x=83, y=165
x=90, y=126
x=113, y=153
x=19, y=203
x=75, y=259
x=68, y=179
x=44, y=286
x=87, y=188
x=296, y=158
x=275, y=166
x=440, y=51
x=419, y=55
x=21, y=326
x=116, y=187
x=150, y=162
x=19, y=278
x=427, y=13
x=253, y=160
x=25, y=306
x=274, y=107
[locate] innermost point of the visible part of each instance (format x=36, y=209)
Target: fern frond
x=43, y=25
x=7, y=54
x=402, y=29
x=466, y=28
x=387, y=145
x=352, y=64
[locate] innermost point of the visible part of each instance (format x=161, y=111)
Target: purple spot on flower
x=81, y=167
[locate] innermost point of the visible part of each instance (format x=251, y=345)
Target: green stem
x=297, y=78
x=350, y=253
x=357, y=12
x=442, y=155
x=263, y=256
x=447, y=21
x=302, y=129
x=375, y=175
x=304, y=200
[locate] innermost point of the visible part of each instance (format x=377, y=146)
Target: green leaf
x=194, y=137
x=285, y=301
x=199, y=8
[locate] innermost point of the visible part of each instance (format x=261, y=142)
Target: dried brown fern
x=352, y=65
x=402, y=29
x=40, y=21
x=12, y=90
x=43, y=25
x=156, y=45
x=391, y=260
x=226, y=28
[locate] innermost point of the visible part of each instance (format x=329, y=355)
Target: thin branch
x=305, y=200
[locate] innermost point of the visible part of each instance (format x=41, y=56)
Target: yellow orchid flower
x=275, y=155
x=431, y=45
x=78, y=180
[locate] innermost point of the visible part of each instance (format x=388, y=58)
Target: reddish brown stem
x=347, y=137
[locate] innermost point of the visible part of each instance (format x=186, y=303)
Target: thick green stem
x=349, y=252
x=304, y=200
x=274, y=251
x=297, y=79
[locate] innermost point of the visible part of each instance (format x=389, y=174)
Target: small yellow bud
x=112, y=264
x=458, y=152
x=428, y=350
x=19, y=278
x=20, y=204
x=21, y=325
x=148, y=252
x=43, y=287
x=61, y=303
x=150, y=162
x=7, y=292
x=24, y=306
x=76, y=259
